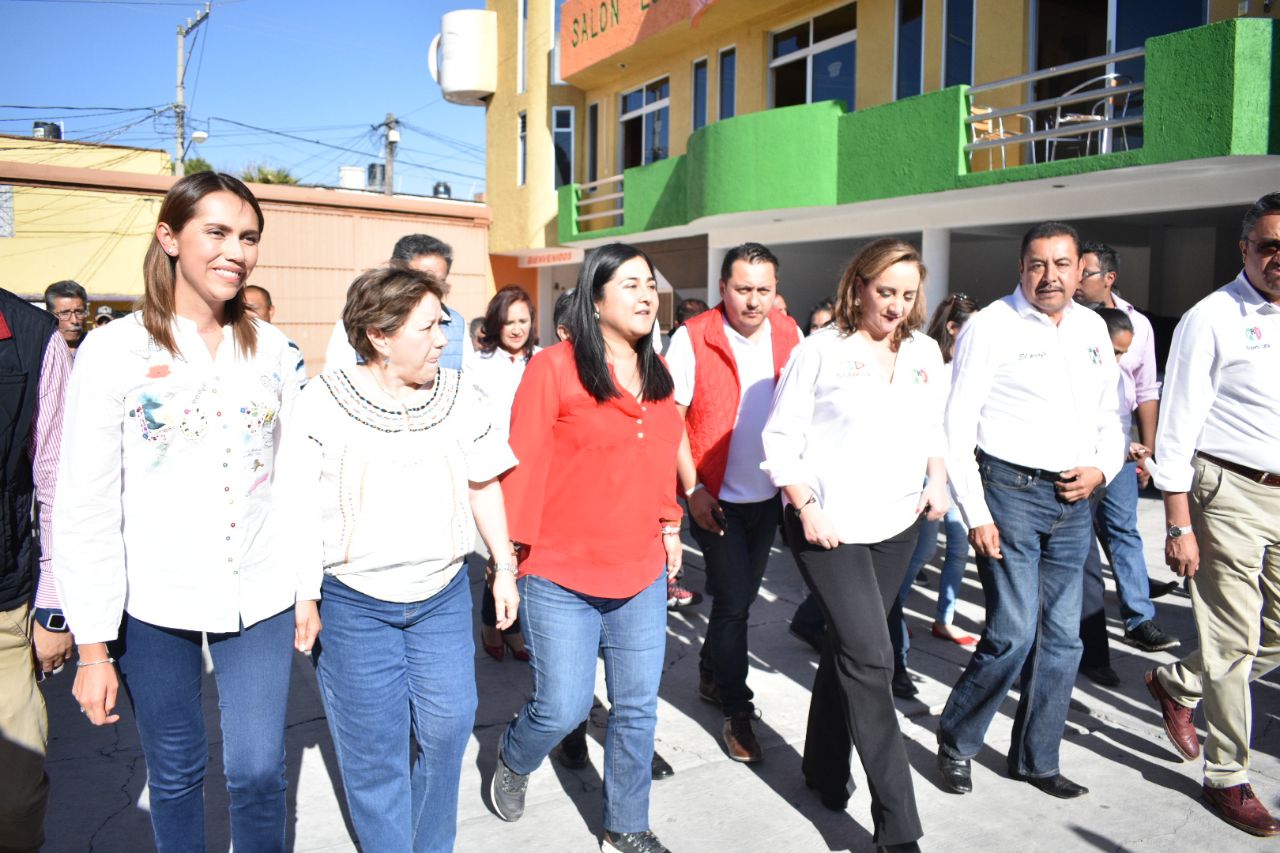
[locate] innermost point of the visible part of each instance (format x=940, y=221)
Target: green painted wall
x=1212, y=91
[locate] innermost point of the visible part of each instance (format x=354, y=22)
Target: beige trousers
x=24, y=734
x=1235, y=597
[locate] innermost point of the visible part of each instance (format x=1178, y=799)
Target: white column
x=715, y=257
x=935, y=251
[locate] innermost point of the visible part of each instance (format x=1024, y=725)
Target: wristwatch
x=51, y=619
x=1175, y=531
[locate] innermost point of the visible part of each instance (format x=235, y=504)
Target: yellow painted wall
x=95, y=238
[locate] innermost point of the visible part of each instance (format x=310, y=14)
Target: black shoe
x=809, y=638
x=956, y=777
x=909, y=847
x=1056, y=785
x=1150, y=638
x=506, y=790
x=1102, y=675
x=660, y=769
x=903, y=686
x=707, y=690
x=572, y=752
x=632, y=842
x=1159, y=590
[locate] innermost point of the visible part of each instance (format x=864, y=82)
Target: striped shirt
x=46, y=445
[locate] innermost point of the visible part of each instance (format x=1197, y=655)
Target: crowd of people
x=335, y=516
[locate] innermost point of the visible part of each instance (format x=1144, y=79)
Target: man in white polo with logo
x=1219, y=470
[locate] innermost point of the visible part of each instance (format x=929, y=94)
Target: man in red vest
x=725, y=363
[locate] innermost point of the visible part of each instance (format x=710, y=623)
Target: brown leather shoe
x=1178, y=724
x=740, y=739
x=1239, y=807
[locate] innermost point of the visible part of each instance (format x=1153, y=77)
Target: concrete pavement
x=1142, y=798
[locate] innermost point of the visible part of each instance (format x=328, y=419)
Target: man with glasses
x=1219, y=470
x=67, y=301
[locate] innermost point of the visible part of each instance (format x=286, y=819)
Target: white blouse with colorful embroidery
x=165, y=482
x=375, y=491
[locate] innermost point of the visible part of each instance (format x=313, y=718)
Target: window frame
x=522, y=148
x=897, y=31
x=693, y=94
x=806, y=54
x=640, y=113
x=571, y=130
x=733, y=108
x=593, y=142
x=973, y=53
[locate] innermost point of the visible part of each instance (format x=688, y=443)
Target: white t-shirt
x=496, y=375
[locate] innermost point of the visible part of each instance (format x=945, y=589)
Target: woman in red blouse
x=593, y=507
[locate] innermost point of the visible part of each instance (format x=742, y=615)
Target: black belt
x=1037, y=473
x=1261, y=477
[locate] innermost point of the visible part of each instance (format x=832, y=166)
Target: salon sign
x=592, y=30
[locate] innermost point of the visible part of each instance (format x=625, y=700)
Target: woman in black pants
x=856, y=426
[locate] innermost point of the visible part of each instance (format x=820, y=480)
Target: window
x=815, y=61
x=593, y=142
x=728, y=82
x=522, y=47
x=910, y=52
x=957, y=43
x=643, y=118
x=522, y=150
x=555, y=46
x=562, y=140
x=699, y=93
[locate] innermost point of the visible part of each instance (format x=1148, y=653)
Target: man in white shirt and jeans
x=1032, y=431
x=1219, y=470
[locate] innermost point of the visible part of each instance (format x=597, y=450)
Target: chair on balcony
x=1080, y=129
x=986, y=130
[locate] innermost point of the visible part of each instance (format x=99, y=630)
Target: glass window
x=728, y=83
x=910, y=47
x=957, y=47
x=522, y=154
x=522, y=37
x=815, y=61
x=645, y=124
x=555, y=46
x=593, y=142
x=699, y=93
x=562, y=139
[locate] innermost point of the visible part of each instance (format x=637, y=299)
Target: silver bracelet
x=81, y=663
x=510, y=568
x=670, y=530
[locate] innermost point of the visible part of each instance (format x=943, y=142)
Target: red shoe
x=1239, y=807
x=960, y=638
x=517, y=651
x=679, y=596
x=1178, y=719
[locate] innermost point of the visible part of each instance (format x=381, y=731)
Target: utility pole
x=179, y=104
x=393, y=139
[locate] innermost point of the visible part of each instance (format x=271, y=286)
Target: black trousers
x=735, y=566
x=852, y=703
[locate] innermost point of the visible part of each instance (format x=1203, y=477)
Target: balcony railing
x=595, y=193
x=1110, y=102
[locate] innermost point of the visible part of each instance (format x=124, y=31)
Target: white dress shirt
x=744, y=481
x=1138, y=365
x=1032, y=393
x=1221, y=386
x=164, y=486
x=496, y=375
x=374, y=490
x=860, y=441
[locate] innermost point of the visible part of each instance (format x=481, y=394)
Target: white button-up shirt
x=1221, y=386
x=744, y=482
x=164, y=487
x=1138, y=365
x=861, y=441
x=496, y=376
x=1031, y=393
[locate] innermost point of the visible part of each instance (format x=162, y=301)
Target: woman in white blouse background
x=855, y=427
x=164, y=518
x=507, y=342
x=386, y=471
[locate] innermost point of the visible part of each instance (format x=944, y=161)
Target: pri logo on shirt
x=920, y=376
x=1095, y=355
x=1253, y=335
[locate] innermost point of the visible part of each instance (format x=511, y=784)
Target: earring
x=857, y=302
x=386, y=361
x=597, y=314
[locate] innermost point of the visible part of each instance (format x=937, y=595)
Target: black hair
x=956, y=308
x=1268, y=205
x=752, y=253
x=413, y=246
x=266, y=293
x=828, y=305
x=560, y=313
x=1117, y=321
x=598, y=268
x=1108, y=260
x=65, y=289
x=687, y=310
x=1049, y=229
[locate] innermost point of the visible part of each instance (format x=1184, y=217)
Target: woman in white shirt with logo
x=856, y=426
x=507, y=342
x=164, y=518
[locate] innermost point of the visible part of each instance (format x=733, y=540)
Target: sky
x=321, y=71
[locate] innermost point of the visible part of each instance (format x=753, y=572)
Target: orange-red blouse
x=594, y=483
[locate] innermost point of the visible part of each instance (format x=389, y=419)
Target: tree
x=197, y=164
x=258, y=173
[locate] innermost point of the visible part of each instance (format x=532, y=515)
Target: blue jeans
x=388, y=669
x=1116, y=520
x=564, y=632
x=162, y=669
x=953, y=563
x=1033, y=622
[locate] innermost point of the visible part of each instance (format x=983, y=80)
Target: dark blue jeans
x=162, y=669
x=735, y=566
x=386, y=670
x=1033, y=622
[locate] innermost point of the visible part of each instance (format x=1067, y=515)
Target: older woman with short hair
x=385, y=468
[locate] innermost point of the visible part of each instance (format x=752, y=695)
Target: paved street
x=1142, y=798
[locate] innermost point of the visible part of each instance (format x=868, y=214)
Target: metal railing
x=1104, y=118
x=588, y=197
